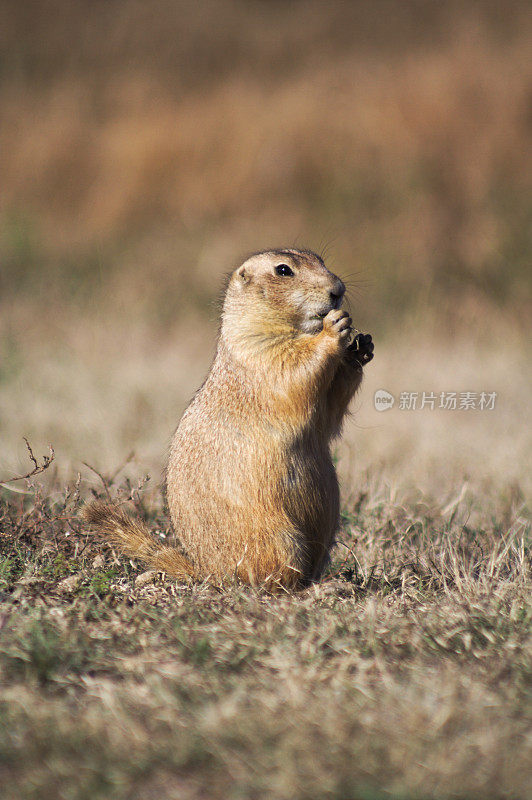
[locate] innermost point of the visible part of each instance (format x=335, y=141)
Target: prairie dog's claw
x=338, y=323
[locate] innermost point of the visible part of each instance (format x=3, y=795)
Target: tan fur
x=251, y=486
x=135, y=540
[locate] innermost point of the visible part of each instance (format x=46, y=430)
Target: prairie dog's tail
x=135, y=540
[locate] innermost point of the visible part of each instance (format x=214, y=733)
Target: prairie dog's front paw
x=338, y=323
x=360, y=351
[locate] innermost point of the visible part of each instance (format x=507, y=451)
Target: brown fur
x=135, y=540
x=251, y=486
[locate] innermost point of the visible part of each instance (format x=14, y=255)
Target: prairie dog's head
x=287, y=288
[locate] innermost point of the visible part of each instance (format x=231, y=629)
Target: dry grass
x=405, y=673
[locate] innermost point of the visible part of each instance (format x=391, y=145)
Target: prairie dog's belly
x=232, y=477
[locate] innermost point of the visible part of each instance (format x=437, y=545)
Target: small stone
x=69, y=585
x=99, y=562
x=145, y=578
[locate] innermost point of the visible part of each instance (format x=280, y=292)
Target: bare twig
x=104, y=480
x=38, y=468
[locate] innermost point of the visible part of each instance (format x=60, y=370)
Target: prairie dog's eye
x=283, y=269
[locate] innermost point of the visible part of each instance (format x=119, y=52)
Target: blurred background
x=147, y=148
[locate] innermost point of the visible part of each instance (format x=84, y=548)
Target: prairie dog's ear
x=243, y=274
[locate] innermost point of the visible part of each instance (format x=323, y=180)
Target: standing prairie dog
x=251, y=486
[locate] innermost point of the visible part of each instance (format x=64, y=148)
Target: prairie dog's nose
x=337, y=292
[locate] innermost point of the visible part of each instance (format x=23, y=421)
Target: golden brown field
x=145, y=150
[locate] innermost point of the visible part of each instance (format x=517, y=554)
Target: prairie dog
x=251, y=486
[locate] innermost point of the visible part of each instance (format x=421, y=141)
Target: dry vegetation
x=406, y=673
x=145, y=149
